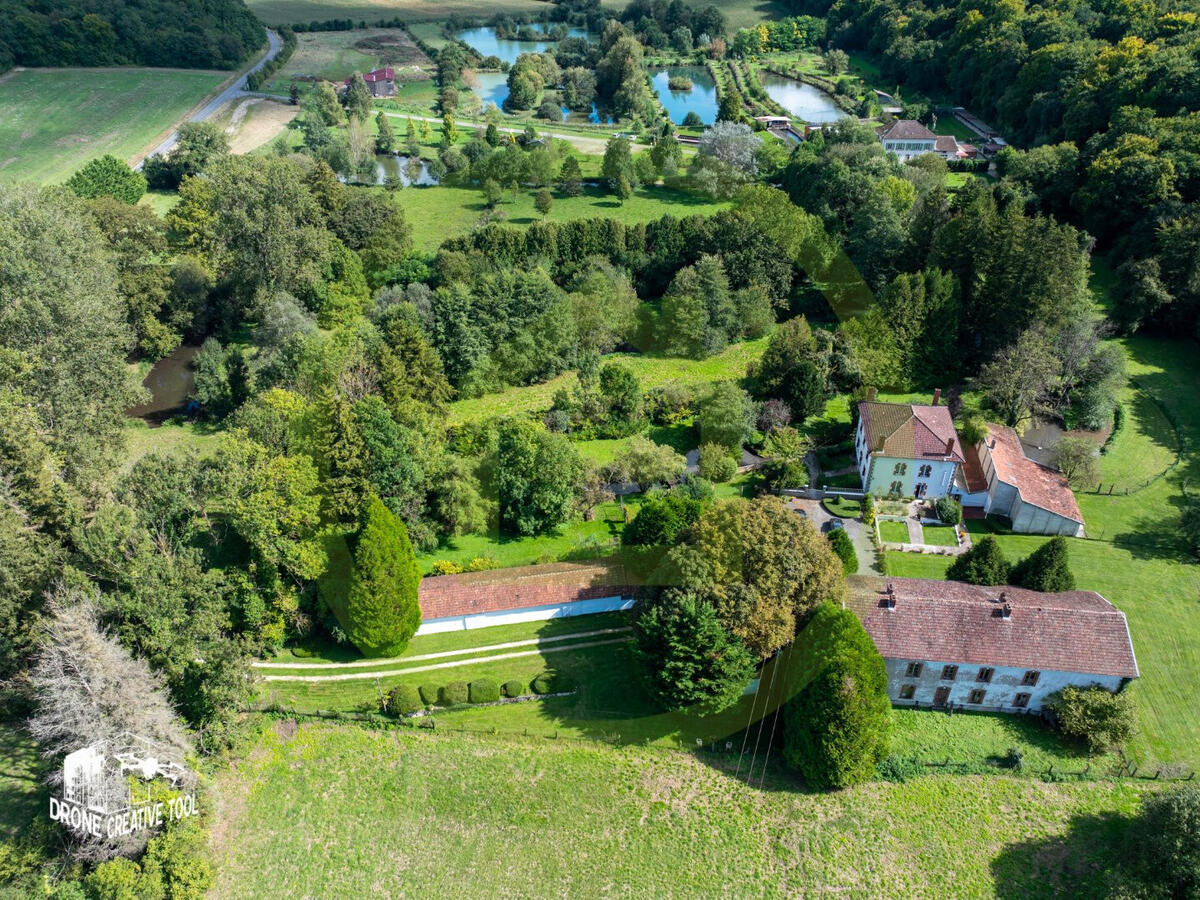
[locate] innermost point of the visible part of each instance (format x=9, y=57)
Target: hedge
x=454, y=694
x=404, y=699
x=429, y=694
x=513, y=688
x=255, y=80
x=550, y=682
x=483, y=690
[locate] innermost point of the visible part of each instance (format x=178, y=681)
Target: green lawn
x=478, y=815
x=170, y=437
x=950, y=125
x=21, y=790
x=893, y=532
x=840, y=506
x=652, y=371
x=445, y=211
x=52, y=121
x=939, y=535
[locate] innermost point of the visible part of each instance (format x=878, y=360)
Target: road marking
x=400, y=660
x=353, y=676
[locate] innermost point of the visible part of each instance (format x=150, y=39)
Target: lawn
x=171, y=437
x=21, y=790
x=52, y=121
x=651, y=371
x=840, y=506
x=478, y=815
x=950, y=125
x=335, y=55
x=445, y=211
x=287, y=12
x=939, y=535
x=894, y=532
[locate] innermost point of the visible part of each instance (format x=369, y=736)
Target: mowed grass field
x=52, y=121
x=340, y=811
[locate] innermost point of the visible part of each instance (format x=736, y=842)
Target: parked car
x=833, y=524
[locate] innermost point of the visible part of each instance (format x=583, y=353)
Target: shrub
x=513, y=688
x=455, y=693
x=1045, y=569
x=447, y=567
x=716, y=464
x=483, y=690
x=482, y=564
x=1095, y=715
x=984, y=563
x=1165, y=840
x=551, y=682
x=868, y=510
x=900, y=769
x=429, y=694
x=404, y=699
x=948, y=510
x=844, y=548
x=108, y=177
x=381, y=604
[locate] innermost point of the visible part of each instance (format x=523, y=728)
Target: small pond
x=169, y=381
x=387, y=166
x=701, y=99
x=484, y=41
x=805, y=102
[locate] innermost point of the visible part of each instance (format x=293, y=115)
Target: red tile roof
x=946, y=143
x=908, y=130
x=910, y=431
x=1037, y=484
x=388, y=74
x=972, y=471
x=521, y=587
x=952, y=622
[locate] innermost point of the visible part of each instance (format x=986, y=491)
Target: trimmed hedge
x=513, y=688
x=404, y=699
x=551, y=682
x=483, y=690
x=429, y=694
x=454, y=694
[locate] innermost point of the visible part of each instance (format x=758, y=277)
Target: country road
x=235, y=90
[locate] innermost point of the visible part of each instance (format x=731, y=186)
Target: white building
x=907, y=449
x=1001, y=649
x=908, y=138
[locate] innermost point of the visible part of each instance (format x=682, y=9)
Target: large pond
x=169, y=381
x=805, y=102
x=701, y=99
x=492, y=87
x=484, y=41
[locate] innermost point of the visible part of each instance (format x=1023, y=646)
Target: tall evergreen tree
x=1046, y=568
x=385, y=139
x=345, y=456
x=570, y=177
x=984, y=563
x=357, y=98
x=382, y=612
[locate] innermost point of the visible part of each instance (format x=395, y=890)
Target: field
x=494, y=816
x=252, y=122
x=52, y=121
x=286, y=12
x=444, y=211
x=334, y=55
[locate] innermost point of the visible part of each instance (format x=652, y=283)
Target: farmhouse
x=522, y=594
x=381, y=82
x=907, y=450
x=948, y=644
x=913, y=450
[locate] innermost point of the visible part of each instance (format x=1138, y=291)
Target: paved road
x=236, y=90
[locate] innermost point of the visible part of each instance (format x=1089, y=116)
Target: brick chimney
x=871, y=394
x=949, y=446
x=937, y=396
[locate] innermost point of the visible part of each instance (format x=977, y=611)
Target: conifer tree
x=570, y=178
x=382, y=612
x=1046, y=569
x=385, y=140
x=345, y=456
x=984, y=563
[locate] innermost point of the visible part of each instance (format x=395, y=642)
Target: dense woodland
x=189, y=34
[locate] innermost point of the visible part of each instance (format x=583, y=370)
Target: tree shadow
x=22, y=791
x=1086, y=861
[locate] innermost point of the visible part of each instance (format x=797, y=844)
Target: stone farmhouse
x=908, y=138
x=1001, y=649
x=381, y=82
x=913, y=450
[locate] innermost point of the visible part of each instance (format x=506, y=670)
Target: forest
x=188, y=34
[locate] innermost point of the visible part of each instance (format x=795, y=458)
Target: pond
x=387, y=166
x=484, y=41
x=805, y=102
x=492, y=87
x=169, y=381
x=701, y=99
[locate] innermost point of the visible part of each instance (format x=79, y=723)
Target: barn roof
x=521, y=587
x=948, y=621
x=1038, y=485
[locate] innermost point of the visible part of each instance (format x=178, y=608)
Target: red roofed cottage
x=1002, y=649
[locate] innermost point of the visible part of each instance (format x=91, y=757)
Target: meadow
x=335, y=55
x=490, y=816
x=52, y=121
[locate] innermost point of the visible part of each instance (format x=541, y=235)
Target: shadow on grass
x=22, y=793
x=1086, y=861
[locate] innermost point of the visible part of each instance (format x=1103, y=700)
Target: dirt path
x=401, y=660
x=352, y=676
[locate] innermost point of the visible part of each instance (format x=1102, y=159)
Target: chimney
x=890, y=600
x=949, y=446
x=1006, y=611
x=871, y=394
x=937, y=396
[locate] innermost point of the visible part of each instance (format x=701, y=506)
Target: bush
x=404, y=699
x=844, y=548
x=716, y=464
x=948, y=510
x=900, y=769
x=513, y=688
x=868, y=510
x=1165, y=841
x=447, y=567
x=455, y=693
x=482, y=564
x=483, y=690
x=429, y=694
x=983, y=564
x=1095, y=715
x=1045, y=569
x=108, y=177
x=551, y=682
